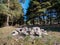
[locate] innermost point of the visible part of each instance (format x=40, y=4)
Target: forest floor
x=53, y=38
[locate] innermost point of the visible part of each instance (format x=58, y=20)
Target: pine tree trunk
x=33, y=21
x=43, y=20
x=40, y=20
x=7, y=23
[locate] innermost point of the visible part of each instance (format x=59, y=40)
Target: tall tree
x=38, y=7
x=12, y=9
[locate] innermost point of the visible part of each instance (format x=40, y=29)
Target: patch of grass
x=6, y=39
x=5, y=31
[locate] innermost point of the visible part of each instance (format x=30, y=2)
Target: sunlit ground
x=6, y=39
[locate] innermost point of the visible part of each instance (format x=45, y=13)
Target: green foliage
x=3, y=9
x=37, y=8
x=13, y=9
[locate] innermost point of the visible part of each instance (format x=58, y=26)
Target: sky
x=25, y=5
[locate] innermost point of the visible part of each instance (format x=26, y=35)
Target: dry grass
x=6, y=38
x=5, y=31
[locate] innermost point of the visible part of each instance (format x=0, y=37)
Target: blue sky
x=25, y=5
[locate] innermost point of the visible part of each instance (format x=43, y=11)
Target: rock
x=14, y=33
x=32, y=32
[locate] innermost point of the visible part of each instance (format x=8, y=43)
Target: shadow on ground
x=47, y=27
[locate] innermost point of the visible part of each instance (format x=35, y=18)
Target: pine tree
x=12, y=9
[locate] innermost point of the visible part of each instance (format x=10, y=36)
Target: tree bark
x=7, y=23
x=33, y=21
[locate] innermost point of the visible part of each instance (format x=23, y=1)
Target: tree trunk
x=33, y=21
x=43, y=20
x=40, y=20
x=7, y=23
